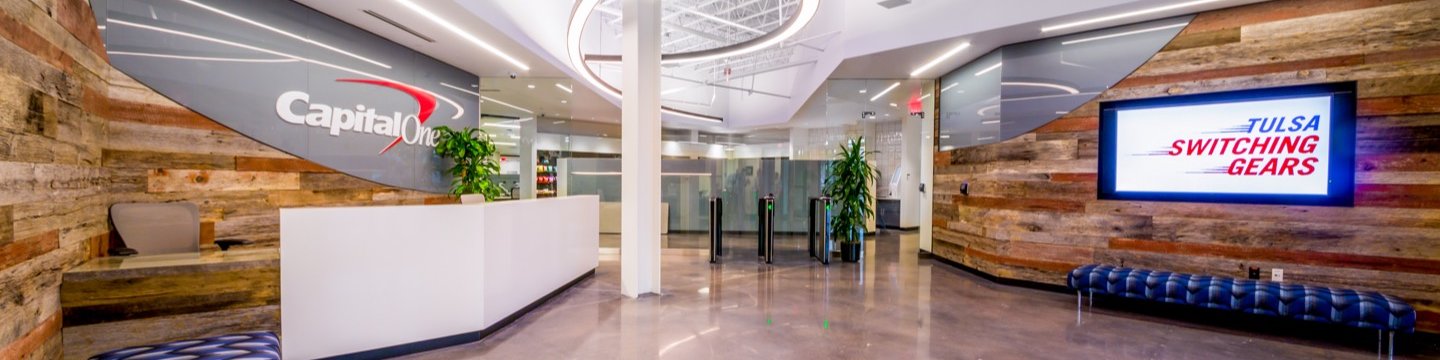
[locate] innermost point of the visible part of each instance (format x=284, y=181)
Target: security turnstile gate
x=717, y=229
x=766, y=222
x=820, y=230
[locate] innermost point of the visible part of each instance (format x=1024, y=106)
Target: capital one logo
x=409, y=128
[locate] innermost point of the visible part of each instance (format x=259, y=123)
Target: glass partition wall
x=574, y=150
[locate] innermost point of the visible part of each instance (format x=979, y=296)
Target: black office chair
x=160, y=228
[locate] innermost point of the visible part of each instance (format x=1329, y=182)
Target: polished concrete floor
x=895, y=305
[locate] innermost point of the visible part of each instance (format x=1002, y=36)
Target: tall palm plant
x=849, y=186
x=475, y=161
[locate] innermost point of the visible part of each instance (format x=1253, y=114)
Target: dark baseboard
x=458, y=339
x=903, y=228
x=1000, y=280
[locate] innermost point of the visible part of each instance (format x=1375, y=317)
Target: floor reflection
x=895, y=305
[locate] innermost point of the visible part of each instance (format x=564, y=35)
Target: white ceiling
x=849, y=39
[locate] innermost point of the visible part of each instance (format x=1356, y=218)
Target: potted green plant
x=475, y=162
x=849, y=187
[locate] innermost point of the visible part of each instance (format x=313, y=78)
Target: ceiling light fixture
x=502, y=143
x=459, y=111
x=1127, y=33
x=283, y=32
x=883, y=92
x=1124, y=15
x=989, y=69
x=927, y=96
x=566, y=89
x=792, y=26
x=530, y=86
x=199, y=58
x=947, y=87
x=1064, y=88
x=937, y=60
x=457, y=31
x=467, y=91
x=578, y=61
x=503, y=126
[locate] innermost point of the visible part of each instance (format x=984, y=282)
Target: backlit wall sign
x=1292, y=145
x=297, y=80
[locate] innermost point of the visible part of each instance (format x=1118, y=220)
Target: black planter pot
x=851, y=251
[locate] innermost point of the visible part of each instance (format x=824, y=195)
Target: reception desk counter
x=369, y=282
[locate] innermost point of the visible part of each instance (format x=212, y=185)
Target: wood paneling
x=1032, y=210
x=77, y=135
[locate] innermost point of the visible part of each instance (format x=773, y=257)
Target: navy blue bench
x=1362, y=309
x=260, y=345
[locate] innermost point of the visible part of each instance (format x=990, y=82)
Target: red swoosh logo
x=427, y=102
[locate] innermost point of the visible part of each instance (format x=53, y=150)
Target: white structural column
x=640, y=149
x=528, y=157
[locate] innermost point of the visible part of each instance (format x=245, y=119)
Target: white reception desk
x=370, y=282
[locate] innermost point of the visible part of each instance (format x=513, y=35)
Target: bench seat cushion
x=1364, y=309
x=261, y=345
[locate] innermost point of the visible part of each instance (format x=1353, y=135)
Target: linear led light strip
x=199, y=58
x=937, y=60
x=1124, y=15
x=883, y=92
x=566, y=89
x=1127, y=33
x=459, y=111
x=487, y=98
x=457, y=31
x=283, y=32
x=989, y=69
x=1064, y=88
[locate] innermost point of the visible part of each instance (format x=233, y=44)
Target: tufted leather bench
x=260, y=345
x=1362, y=309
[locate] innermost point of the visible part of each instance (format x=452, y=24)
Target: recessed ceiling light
x=566, y=89
x=927, y=96
x=862, y=91
x=940, y=58
x=892, y=105
x=944, y=136
x=531, y=86
x=564, y=101
x=947, y=87
x=467, y=36
x=1124, y=15
x=883, y=92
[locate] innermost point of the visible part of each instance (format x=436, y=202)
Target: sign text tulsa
x=1268, y=149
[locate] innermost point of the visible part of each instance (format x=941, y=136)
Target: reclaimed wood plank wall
x=77, y=135
x=1032, y=212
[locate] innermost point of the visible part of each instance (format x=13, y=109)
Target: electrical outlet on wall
x=1277, y=275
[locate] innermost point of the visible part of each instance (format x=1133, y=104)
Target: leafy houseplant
x=849, y=186
x=475, y=161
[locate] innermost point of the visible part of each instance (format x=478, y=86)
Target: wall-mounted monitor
x=1290, y=145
